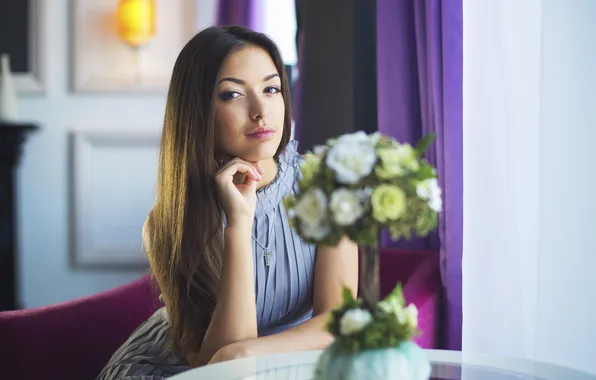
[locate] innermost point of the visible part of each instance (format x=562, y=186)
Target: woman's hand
x=237, y=185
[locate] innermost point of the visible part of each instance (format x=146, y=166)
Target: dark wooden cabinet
x=12, y=138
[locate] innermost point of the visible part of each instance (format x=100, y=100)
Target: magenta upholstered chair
x=74, y=340
x=420, y=275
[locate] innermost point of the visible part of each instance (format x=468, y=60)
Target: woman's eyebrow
x=241, y=82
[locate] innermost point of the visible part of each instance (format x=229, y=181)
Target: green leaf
x=398, y=294
x=347, y=296
x=424, y=143
x=426, y=171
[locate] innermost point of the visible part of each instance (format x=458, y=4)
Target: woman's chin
x=260, y=153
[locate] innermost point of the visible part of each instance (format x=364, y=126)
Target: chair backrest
x=74, y=339
x=397, y=265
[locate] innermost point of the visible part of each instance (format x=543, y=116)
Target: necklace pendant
x=266, y=255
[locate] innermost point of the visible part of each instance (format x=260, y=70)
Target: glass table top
x=446, y=365
x=440, y=371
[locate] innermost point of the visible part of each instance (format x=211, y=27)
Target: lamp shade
x=136, y=21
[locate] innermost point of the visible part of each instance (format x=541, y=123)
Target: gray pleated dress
x=284, y=287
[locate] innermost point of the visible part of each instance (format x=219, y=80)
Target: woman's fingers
x=256, y=164
x=237, y=165
x=232, y=161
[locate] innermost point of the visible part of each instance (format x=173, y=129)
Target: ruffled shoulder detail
x=288, y=173
x=290, y=155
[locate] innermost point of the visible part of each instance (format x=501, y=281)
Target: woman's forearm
x=234, y=318
x=309, y=335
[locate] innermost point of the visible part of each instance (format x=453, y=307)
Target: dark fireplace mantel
x=12, y=138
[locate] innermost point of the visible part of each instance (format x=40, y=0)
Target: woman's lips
x=261, y=133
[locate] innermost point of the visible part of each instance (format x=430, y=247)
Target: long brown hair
x=186, y=222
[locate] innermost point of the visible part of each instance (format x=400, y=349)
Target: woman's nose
x=258, y=109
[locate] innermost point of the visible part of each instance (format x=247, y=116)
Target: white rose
x=425, y=188
x=311, y=209
x=320, y=150
x=374, y=138
x=317, y=231
x=411, y=314
x=430, y=191
x=392, y=307
x=436, y=202
x=345, y=206
x=356, y=137
x=351, y=160
x=354, y=320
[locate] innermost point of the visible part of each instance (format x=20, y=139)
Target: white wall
x=529, y=115
x=44, y=273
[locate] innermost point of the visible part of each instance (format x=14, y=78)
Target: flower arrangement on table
x=355, y=186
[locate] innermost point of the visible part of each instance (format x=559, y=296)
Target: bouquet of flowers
x=357, y=184
x=387, y=324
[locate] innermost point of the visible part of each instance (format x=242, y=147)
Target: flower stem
x=369, y=275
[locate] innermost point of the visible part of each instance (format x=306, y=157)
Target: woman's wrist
x=239, y=223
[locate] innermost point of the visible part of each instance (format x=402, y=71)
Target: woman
x=235, y=278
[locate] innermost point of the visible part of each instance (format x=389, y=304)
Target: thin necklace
x=266, y=250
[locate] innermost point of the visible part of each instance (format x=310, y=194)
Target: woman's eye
x=229, y=95
x=272, y=90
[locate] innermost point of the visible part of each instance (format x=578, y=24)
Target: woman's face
x=249, y=106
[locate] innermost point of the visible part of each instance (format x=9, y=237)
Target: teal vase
x=405, y=362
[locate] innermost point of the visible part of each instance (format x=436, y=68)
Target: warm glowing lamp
x=136, y=21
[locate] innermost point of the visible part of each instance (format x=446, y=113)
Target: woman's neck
x=270, y=167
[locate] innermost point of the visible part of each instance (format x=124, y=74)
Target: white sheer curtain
x=529, y=179
x=502, y=55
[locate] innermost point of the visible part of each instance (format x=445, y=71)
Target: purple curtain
x=239, y=12
x=419, y=62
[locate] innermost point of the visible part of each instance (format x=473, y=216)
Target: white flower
x=436, y=202
x=411, y=316
x=386, y=306
x=354, y=320
x=320, y=150
x=430, y=191
x=351, y=158
x=425, y=188
x=405, y=316
x=345, y=206
x=317, y=232
x=374, y=137
x=311, y=209
x=356, y=137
